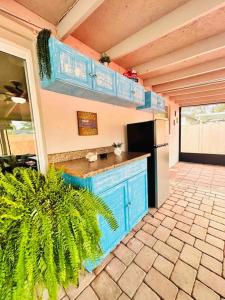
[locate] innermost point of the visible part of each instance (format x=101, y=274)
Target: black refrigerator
x=152, y=137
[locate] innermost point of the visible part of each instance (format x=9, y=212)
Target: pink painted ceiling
x=203, y=28
x=116, y=20
x=50, y=10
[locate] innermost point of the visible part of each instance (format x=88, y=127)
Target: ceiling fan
x=14, y=92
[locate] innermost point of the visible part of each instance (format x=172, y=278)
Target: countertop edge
x=113, y=166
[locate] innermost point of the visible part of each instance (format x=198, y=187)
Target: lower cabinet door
x=137, y=198
x=115, y=198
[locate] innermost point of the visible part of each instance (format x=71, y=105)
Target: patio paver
x=174, y=253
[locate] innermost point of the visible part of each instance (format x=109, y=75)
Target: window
x=17, y=134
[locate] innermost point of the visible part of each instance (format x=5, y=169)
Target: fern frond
x=48, y=229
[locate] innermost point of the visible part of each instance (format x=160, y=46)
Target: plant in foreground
x=47, y=230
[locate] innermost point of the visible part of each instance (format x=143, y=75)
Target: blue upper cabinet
x=160, y=103
x=123, y=85
x=77, y=75
x=153, y=102
x=72, y=67
x=138, y=93
x=104, y=79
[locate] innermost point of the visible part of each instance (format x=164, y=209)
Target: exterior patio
x=119, y=96
x=176, y=252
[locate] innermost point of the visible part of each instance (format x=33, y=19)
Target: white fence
x=203, y=138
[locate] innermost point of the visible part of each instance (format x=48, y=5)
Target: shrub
x=47, y=230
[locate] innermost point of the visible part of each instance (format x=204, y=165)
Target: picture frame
x=87, y=123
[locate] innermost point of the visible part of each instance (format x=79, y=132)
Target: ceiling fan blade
x=16, y=83
x=12, y=90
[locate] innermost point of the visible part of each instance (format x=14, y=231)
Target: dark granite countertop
x=82, y=168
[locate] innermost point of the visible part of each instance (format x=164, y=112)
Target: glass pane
x=203, y=129
x=17, y=134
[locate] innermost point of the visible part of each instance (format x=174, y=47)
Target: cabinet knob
x=133, y=91
x=92, y=75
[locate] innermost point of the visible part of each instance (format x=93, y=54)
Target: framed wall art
x=87, y=123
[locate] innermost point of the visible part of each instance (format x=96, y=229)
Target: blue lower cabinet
x=125, y=194
x=137, y=195
x=111, y=238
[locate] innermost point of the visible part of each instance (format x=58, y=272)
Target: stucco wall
x=59, y=111
x=60, y=122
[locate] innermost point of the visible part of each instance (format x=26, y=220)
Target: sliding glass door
x=17, y=134
x=202, y=134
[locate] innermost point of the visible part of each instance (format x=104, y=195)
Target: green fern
x=47, y=230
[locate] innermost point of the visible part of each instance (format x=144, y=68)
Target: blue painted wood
x=77, y=75
x=160, y=103
x=123, y=85
x=106, y=180
x=104, y=79
x=111, y=238
x=124, y=190
x=153, y=102
x=137, y=195
x=70, y=66
x=138, y=93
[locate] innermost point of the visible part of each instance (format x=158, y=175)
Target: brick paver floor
x=175, y=252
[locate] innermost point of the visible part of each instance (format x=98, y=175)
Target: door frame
x=201, y=158
x=26, y=54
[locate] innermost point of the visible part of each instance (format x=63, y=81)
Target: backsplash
x=65, y=156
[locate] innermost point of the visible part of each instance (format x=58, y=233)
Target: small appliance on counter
x=91, y=157
x=152, y=137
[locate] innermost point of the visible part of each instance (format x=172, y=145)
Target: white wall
x=60, y=122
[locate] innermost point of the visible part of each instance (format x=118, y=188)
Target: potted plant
x=48, y=229
x=43, y=53
x=105, y=59
x=117, y=148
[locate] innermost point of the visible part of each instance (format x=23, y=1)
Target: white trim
x=77, y=15
x=14, y=49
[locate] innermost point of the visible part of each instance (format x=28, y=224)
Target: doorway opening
x=17, y=132
x=202, y=130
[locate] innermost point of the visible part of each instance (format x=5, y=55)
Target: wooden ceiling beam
x=80, y=11
x=185, y=54
x=195, y=89
x=212, y=98
x=213, y=93
x=216, y=76
x=201, y=102
x=183, y=15
x=199, y=69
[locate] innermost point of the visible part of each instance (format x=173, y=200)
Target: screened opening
x=203, y=129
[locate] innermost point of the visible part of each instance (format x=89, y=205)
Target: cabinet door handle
x=129, y=203
x=92, y=75
x=133, y=91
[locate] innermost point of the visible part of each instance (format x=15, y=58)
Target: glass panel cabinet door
x=138, y=94
x=123, y=85
x=73, y=67
x=104, y=79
